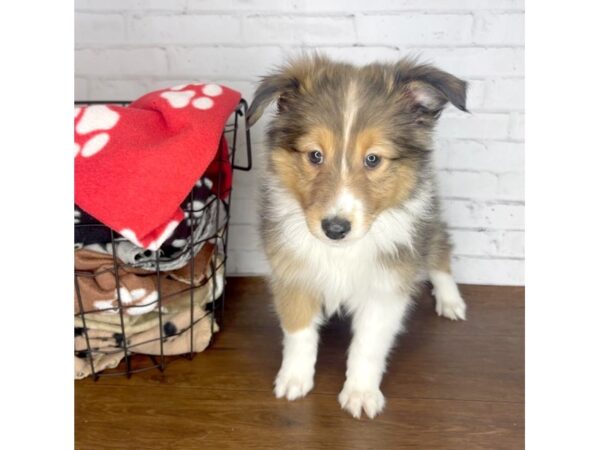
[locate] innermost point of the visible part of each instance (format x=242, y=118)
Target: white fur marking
x=351, y=208
x=448, y=301
x=375, y=325
x=295, y=378
x=346, y=202
x=344, y=272
x=350, y=110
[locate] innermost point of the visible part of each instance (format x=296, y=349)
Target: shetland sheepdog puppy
x=350, y=211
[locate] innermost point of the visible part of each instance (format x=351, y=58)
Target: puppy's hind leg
x=300, y=317
x=448, y=301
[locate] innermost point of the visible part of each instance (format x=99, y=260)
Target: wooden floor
x=449, y=385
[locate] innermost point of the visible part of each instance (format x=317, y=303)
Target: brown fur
x=295, y=305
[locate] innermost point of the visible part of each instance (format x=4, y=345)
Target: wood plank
x=117, y=417
x=430, y=367
x=492, y=310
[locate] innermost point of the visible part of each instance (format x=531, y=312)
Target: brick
x=117, y=89
x=130, y=5
x=249, y=180
x=241, y=6
x=506, y=156
x=333, y=6
x=503, y=29
x=481, y=185
x=299, y=30
x=405, y=5
x=224, y=62
x=497, y=157
x=184, y=29
x=475, y=94
x=247, y=88
x=473, y=214
x=244, y=212
x=488, y=243
x=247, y=262
x=81, y=89
x=471, y=270
x=510, y=243
x=246, y=184
x=415, y=29
x=473, y=126
x=244, y=237
x=511, y=186
x=169, y=82
x=121, y=62
x=475, y=61
x=517, y=127
x=99, y=28
x=361, y=54
x=505, y=94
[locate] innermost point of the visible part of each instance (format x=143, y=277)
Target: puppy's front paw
x=293, y=385
x=451, y=307
x=355, y=400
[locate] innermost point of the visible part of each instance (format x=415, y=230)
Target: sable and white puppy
x=350, y=215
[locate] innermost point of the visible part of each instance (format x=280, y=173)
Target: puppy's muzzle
x=336, y=228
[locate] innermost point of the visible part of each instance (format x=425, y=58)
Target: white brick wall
x=127, y=47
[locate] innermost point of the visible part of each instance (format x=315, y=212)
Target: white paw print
x=179, y=98
x=94, y=118
x=152, y=245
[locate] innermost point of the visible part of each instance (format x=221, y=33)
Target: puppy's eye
x=316, y=157
x=372, y=160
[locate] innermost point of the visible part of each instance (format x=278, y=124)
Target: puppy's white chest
x=345, y=275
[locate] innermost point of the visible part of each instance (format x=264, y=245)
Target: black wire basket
x=211, y=286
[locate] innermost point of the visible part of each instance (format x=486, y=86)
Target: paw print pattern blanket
x=138, y=289
x=135, y=165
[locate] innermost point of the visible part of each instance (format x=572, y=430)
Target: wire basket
x=208, y=291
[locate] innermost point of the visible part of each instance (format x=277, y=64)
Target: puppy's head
x=350, y=142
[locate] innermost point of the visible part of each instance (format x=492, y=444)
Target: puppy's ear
x=272, y=87
x=430, y=89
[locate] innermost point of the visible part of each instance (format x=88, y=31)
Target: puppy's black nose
x=335, y=228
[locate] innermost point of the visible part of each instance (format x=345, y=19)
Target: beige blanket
x=96, y=283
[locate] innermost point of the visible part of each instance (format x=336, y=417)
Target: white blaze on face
x=346, y=204
x=350, y=109
x=349, y=207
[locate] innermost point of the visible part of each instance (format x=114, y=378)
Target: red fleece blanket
x=134, y=165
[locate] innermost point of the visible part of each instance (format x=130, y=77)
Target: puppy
x=350, y=212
